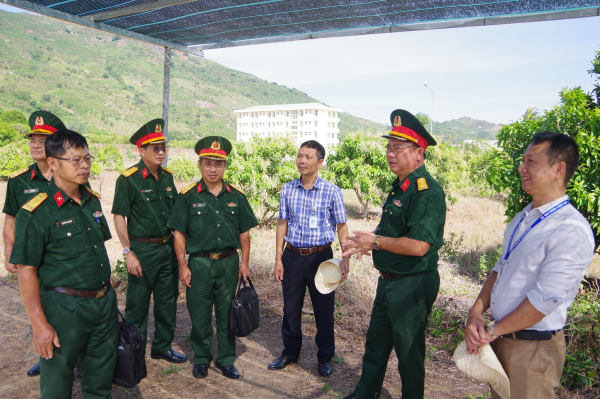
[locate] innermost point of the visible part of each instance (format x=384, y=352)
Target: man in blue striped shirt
x=310, y=211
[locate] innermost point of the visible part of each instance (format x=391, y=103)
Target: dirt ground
x=255, y=352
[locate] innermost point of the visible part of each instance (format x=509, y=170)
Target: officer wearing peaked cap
x=27, y=182
x=212, y=219
x=405, y=248
x=145, y=195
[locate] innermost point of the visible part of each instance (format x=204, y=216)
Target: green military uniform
x=147, y=203
x=23, y=185
x=65, y=241
x=415, y=208
x=212, y=225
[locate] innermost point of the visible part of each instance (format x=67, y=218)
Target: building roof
x=283, y=107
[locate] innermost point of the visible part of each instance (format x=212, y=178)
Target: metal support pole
x=166, y=86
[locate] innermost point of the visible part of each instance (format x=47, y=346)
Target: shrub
x=8, y=134
x=184, y=169
x=107, y=157
x=13, y=117
x=14, y=156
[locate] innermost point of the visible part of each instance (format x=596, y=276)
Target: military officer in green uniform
x=64, y=275
x=27, y=182
x=145, y=195
x=211, y=220
x=405, y=249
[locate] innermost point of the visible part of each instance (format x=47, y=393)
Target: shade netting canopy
x=208, y=24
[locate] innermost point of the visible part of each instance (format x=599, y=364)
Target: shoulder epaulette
x=168, y=170
x=35, y=202
x=130, y=171
x=239, y=189
x=18, y=172
x=187, y=188
x=94, y=193
x=422, y=184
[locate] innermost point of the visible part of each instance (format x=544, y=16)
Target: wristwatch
x=376, y=245
x=490, y=330
x=127, y=250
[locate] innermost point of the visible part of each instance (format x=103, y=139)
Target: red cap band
x=409, y=134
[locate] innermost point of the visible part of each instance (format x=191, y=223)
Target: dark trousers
x=298, y=273
x=398, y=322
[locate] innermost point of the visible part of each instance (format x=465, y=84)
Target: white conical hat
x=483, y=367
x=328, y=276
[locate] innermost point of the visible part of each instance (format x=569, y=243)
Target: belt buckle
x=381, y=275
x=101, y=293
x=164, y=240
x=214, y=256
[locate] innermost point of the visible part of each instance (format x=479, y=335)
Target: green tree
x=359, y=164
x=14, y=156
x=13, y=117
x=531, y=113
x=8, y=134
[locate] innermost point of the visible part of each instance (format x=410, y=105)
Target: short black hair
x=58, y=143
x=315, y=145
x=562, y=149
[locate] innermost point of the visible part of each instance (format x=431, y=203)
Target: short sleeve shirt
x=212, y=224
x=145, y=201
x=22, y=187
x=414, y=210
x=64, y=240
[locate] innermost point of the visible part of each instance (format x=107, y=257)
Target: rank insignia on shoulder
x=422, y=184
x=188, y=188
x=405, y=185
x=36, y=201
x=232, y=204
x=239, y=189
x=398, y=203
x=94, y=193
x=198, y=205
x=130, y=171
x=18, y=173
x=65, y=222
x=168, y=170
x=31, y=190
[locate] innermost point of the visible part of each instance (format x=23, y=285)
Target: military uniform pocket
x=70, y=239
x=147, y=197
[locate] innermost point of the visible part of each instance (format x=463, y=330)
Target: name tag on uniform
x=64, y=222
x=147, y=191
x=31, y=190
x=312, y=222
x=198, y=205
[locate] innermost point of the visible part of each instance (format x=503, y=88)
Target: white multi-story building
x=301, y=122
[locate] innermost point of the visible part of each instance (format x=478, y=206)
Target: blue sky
x=493, y=73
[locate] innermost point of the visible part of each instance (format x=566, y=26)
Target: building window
x=316, y=123
x=316, y=112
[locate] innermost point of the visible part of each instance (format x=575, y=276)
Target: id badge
x=312, y=221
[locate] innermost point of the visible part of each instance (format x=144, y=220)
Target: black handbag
x=131, y=361
x=244, y=314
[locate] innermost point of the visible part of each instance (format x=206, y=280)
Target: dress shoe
x=281, y=362
x=325, y=369
x=229, y=371
x=201, y=370
x=34, y=371
x=170, y=356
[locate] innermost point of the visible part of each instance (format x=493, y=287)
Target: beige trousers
x=533, y=367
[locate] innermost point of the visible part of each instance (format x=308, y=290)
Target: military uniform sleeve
x=427, y=212
x=247, y=217
x=11, y=205
x=123, y=198
x=180, y=215
x=30, y=240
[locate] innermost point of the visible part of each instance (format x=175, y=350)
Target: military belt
x=162, y=240
x=218, y=256
x=385, y=275
x=531, y=335
x=85, y=294
x=307, y=251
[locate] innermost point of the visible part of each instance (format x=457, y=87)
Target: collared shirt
x=64, y=240
x=415, y=213
x=546, y=267
x=297, y=204
x=211, y=224
x=145, y=201
x=22, y=188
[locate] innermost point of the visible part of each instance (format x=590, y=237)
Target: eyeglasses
x=37, y=142
x=156, y=150
x=78, y=161
x=398, y=148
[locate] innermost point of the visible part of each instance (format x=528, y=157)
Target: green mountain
x=99, y=83
x=456, y=131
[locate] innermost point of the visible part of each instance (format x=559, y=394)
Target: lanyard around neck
x=549, y=212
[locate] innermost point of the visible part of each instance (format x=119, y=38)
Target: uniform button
x=147, y=199
x=218, y=239
x=392, y=193
x=89, y=228
x=386, y=210
x=217, y=211
x=69, y=234
x=218, y=225
x=101, y=264
x=159, y=197
x=95, y=246
x=232, y=213
x=198, y=212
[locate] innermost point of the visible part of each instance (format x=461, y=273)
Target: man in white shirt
x=546, y=252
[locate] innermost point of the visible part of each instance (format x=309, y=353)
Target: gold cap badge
x=158, y=129
x=216, y=145
x=39, y=121
x=397, y=121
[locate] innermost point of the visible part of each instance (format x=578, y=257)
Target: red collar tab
x=199, y=188
x=32, y=173
x=59, y=198
x=227, y=188
x=145, y=173
x=405, y=185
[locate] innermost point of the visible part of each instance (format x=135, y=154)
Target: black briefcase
x=131, y=362
x=244, y=314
